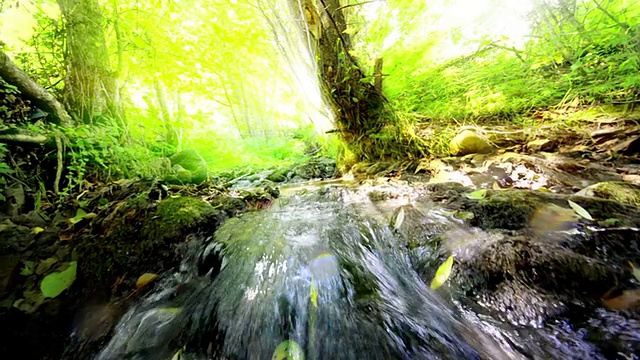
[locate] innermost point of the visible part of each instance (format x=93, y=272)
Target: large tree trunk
x=90, y=87
x=32, y=91
x=358, y=105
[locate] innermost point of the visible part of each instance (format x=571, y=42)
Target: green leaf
x=478, y=194
x=443, y=273
x=28, y=268
x=313, y=293
x=580, y=210
x=288, y=350
x=55, y=283
x=464, y=215
x=635, y=271
x=79, y=216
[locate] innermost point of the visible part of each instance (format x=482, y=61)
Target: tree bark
x=32, y=91
x=358, y=106
x=90, y=86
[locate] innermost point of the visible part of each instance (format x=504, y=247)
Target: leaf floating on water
x=399, y=219
x=55, y=283
x=443, y=273
x=465, y=215
x=635, y=271
x=314, y=293
x=477, y=195
x=580, y=210
x=288, y=350
x=145, y=279
x=629, y=299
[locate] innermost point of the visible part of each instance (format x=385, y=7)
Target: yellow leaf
x=443, y=273
x=37, y=230
x=145, y=279
x=635, y=271
x=477, y=195
x=580, y=210
x=399, y=219
x=496, y=186
x=314, y=293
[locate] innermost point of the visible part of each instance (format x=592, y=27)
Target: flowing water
x=321, y=268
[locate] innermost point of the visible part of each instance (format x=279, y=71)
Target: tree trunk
x=32, y=91
x=90, y=87
x=358, y=106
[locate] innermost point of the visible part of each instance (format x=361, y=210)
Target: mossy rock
x=511, y=209
x=279, y=175
x=469, y=142
x=316, y=168
x=619, y=191
x=190, y=160
x=141, y=237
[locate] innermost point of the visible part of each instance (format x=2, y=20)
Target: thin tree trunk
x=357, y=104
x=32, y=91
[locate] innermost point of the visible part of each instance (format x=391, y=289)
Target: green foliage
x=102, y=152
x=45, y=63
x=5, y=170
x=584, y=55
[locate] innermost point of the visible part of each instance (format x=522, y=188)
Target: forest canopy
x=238, y=80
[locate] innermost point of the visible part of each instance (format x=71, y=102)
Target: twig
x=56, y=183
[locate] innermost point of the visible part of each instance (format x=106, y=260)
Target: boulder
x=469, y=142
x=190, y=160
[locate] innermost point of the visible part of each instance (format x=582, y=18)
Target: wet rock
x=192, y=161
x=619, y=191
x=279, y=175
x=469, y=142
x=541, y=145
x=316, y=168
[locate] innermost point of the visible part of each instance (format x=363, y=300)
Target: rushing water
x=321, y=267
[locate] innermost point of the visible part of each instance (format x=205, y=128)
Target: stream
x=323, y=274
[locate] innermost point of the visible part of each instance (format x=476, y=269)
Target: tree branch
x=32, y=91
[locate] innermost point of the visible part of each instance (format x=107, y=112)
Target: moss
x=511, y=210
x=619, y=191
x=140, y=236
x=279, y=175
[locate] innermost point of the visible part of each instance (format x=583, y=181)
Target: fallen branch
x=32, y=91
x=23, y=138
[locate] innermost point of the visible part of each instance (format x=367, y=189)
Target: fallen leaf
x=55, y=283
x=443, y=273
x=29, y=268
x=79, y=216
x=66, y=236
x=45, y=265
x=496, y=186
x=580, y=210
x=288, y=350
x=628, y=299
x=37, y=230
x=464, y=215
x=635, y=271
x=399, y=219
x=145, y=279
x=477, y=195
